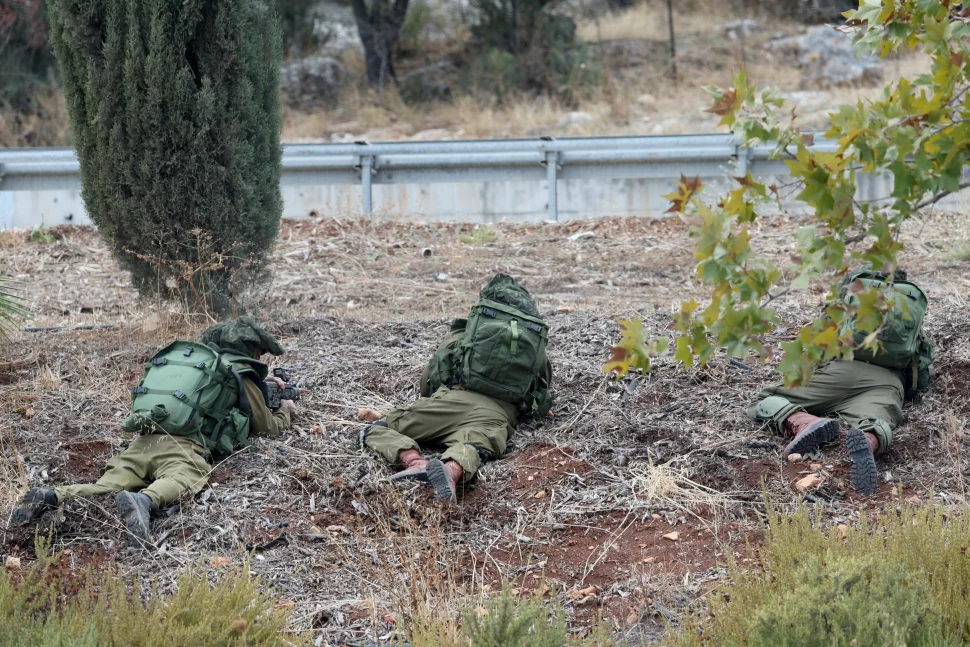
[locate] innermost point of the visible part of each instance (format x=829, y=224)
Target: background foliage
x=917, y=130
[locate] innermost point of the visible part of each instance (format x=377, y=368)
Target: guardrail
x=366, y=164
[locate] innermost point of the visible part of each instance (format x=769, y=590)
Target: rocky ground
x=625, y=505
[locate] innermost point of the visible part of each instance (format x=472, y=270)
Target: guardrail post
x=366, y=166
x=742, y=154
x=552, y=179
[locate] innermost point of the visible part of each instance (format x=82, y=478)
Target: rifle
x=274, y=395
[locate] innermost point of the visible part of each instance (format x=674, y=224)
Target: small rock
x=650, y=560
x=794, y=458
x=807, y=483
x=541, y=494
x=576, y=118
x=815, y=467
x=312, y=81
x=431, y=135
x=442, y=276
x=736, y=29
x=632, y=619
x=581, y=235
x=368, y=415
x=219, y=561
x=563, y=310
x=672, y=536
x=13, y=563
x=647, y=100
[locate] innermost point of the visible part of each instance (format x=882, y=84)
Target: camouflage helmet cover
x=241, y=335
x=505, y=289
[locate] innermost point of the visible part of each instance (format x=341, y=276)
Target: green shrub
x=479, y=235
x=901, y=579
x=855, y=601
x=45, y=607
x=508, y=622
x=175, y=112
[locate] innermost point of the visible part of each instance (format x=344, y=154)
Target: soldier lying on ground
x=867, y=393
x=195, y=403
x=489, y=369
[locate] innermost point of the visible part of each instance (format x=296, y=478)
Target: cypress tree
x=174, y=106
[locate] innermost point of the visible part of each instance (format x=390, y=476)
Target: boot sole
x=864, y=472
x=30, y=512
x=400, y=477
x=813, y=438
x=137, y=527
x=438, y=478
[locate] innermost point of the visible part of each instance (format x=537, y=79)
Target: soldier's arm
x=262, y=421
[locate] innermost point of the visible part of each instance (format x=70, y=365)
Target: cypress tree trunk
x=379, y=29
x=176, y=119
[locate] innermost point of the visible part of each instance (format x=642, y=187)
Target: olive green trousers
x=865, y=396
x=163, y=467
x=470, y=426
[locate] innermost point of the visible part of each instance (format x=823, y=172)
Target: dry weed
x=648, y=21
x=670, y=483
x=48, y=378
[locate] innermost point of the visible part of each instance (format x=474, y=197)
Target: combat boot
x=413, y=466
x=445, y=478
x=862, y=447
x=35, y=503
x=809, y=432
x=136, y=511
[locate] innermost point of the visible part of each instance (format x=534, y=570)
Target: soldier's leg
x=875, y=403
x=796, y=412
x=822, y=395
x=178, y=468
x=425, y=422
x=128, y=470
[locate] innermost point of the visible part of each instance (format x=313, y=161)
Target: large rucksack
x=194, y=390
x=498, y=351
x=901, y=345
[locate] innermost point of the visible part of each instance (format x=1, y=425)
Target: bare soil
x=566, y=513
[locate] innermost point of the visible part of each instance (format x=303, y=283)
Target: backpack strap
x=244, y=404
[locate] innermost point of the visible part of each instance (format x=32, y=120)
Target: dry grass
x=648, y=21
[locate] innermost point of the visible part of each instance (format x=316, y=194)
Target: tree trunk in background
x=379, y=29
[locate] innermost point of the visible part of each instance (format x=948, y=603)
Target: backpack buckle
x=181, y=396
x=188, y=351
x=159, y=361
x=488, y=312
x=534, y=327
x=199, y=365
x=138, y=390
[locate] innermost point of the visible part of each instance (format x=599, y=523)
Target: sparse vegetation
x=479, y=235
x=895, y=579
x=98, y=610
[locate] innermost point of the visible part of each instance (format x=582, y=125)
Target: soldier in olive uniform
x=158, y=468
x=472, y=427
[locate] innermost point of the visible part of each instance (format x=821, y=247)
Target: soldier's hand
x=280, y=384
x=288, y=406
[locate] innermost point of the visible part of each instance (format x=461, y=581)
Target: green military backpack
x=193, y=390
x=901, y=344
x=499, y=350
